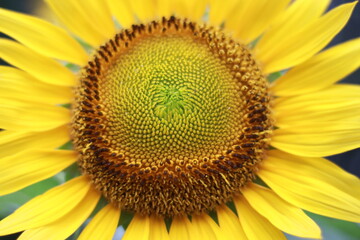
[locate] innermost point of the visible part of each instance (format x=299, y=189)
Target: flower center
x=171, y=118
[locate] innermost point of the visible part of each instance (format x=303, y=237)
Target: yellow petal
x=63, y=227
x=349, y=111
x=230, y=226
x=336, y=103
x=204, y=227
x=103, y=225
x=22, y=116
x=318, y=127
x=314, y=184
x=39, y=66
x=251, y=18
x=42, y=37
x=295, y=17
x=158, y=229
x=193, y=10
x=47, y=207
x=122, y=12
x=143, y=9
x=280, y=213
x=319, y=124
x=18, y=84
x=325, y=143
x=102, y=22
x=296, y=48
x=28, y=167
x=320, y=71
x=164, y=8
x=12, y=142
x=255, y=226
x=75, y=18
x=221, y=10
x=180, y=229
x=133, y=232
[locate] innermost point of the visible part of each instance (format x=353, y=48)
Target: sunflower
x=201, y=119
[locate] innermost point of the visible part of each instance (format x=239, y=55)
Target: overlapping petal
x=255, y=226
x=144, y=12
x=42, y=37
x=250, y=18
x=319, y=124
x=31, y=166
x=61, y=229
x=39, y=66
x=181, y=229
x=313, y=184
x=293, y=49
x=79, y=22
x=193, y=10
x=103, y=225
x=121, y=10
x=13, y=142
x=230, y=226
x=164, y=8
x=21, y=86
x=337, y=102
x=47, y=207
x=221, y=10
x=328, y=141
x=320, y=71
x=297, y=16
x=103, y=22
x=25, y=116
x=203, y=226
x=280, y=213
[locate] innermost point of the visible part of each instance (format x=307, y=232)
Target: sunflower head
x=171, y=118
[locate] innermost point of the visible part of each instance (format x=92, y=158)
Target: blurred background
x=350, y=161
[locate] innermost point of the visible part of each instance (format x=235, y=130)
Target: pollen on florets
x=171, y=118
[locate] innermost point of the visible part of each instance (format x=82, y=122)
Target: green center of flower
x=171, y=103
x=171, y=118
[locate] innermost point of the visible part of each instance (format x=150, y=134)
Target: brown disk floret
x=171, y=118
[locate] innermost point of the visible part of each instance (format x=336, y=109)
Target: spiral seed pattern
x=171, y=118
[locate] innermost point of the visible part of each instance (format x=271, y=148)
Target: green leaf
x=71, y=172
x=273, y=76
